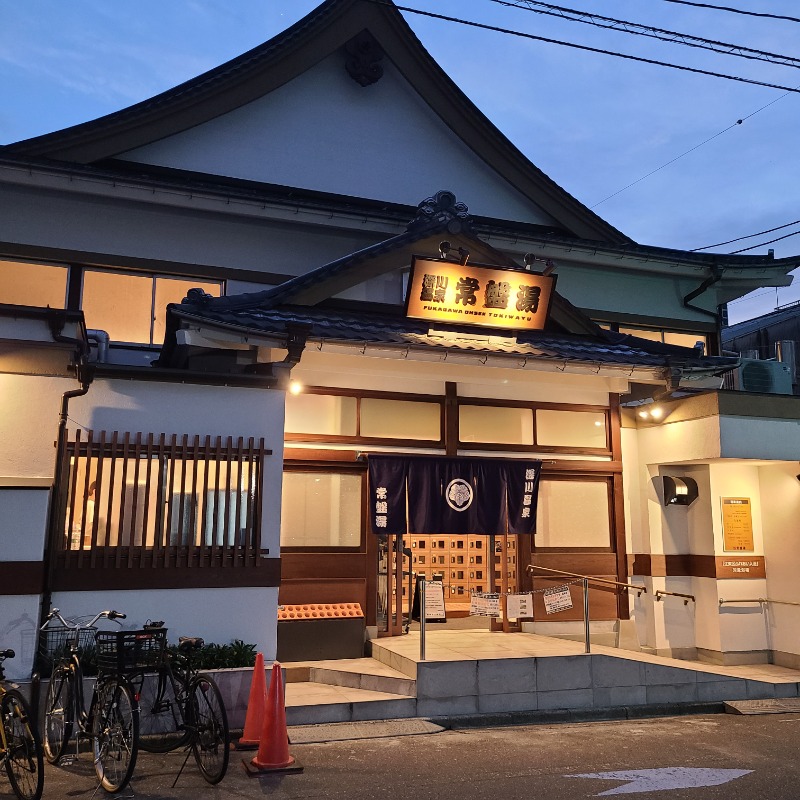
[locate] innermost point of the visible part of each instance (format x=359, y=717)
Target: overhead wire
x=742, y=238
x=638, y=29
x=587, y=48
x=691, y=150
x=734, y=10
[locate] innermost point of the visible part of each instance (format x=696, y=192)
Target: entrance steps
x=473, y=672
x=347, y=690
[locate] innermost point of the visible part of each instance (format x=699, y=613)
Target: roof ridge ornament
x=442, y=209
x=363, y=55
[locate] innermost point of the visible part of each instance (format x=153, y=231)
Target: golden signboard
x=477, y=295
x=737, y=525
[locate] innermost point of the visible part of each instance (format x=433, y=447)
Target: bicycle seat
x=188, y=643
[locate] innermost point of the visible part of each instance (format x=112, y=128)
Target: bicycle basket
x=55, y=642
x=130, y=651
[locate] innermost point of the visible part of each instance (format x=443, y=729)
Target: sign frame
x=737, y=525
x=497, y=317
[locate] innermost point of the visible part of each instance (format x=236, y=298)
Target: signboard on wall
x=741, y=567
x=737, y=525
x=476, y=295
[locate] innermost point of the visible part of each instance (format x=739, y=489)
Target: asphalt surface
x=747, y=756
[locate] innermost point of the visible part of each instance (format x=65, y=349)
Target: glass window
x=400, y=419
x=321, y=509
x=132, y=308
x=571, y=428
x=173, y=290
x=685, y=339
x=643, y=333
x=321, y=413
x=573, y=513
x=23, y=284
x=495, y=424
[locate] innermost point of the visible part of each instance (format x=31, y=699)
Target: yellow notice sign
x=473, y=295
x=737, y=525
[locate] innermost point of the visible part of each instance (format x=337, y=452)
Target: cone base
x=247, y=744
x=253, y=770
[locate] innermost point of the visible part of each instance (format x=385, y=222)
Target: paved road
x=747, y=756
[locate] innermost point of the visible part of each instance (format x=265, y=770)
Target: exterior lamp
x=657, y=412
x=681, y=491
x=295, y=387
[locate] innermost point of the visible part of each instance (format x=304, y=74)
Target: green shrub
x=223, y=656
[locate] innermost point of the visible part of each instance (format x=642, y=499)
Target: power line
x=586, y=48
x=733, y=10
x=762, y=244
x=691, y=150
x=742, y=238
x=637, y=29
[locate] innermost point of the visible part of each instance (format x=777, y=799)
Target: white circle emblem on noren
x=459, y=494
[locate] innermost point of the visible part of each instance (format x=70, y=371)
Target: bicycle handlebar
x=55, y=612
x=7, y=654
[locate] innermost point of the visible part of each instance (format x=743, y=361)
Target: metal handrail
x=659, y=593
x=585, y=580
x=607, y=581
x=761, y=600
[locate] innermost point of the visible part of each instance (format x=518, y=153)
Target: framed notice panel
x=737, y=525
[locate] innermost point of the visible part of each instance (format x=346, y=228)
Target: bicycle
x=112, y=720
x=20, y=748
x=179, y=706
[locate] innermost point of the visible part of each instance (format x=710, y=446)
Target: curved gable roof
x=273, y=64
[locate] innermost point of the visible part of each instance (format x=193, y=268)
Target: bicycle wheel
x=24, y=763
x=58, y=713
x=161, y=727
x=115, y=731
x=209, y=724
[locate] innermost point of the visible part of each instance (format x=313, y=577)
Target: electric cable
x=734, y=10
x=742, y=238
x=691, y=150
x=638, y=29
x=762, y=244
x=587, y=48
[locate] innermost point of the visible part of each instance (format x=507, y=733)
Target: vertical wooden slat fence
x=152, y=501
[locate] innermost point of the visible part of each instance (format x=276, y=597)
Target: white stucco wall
x=323, y=131
x=218, y=615
x=780, y=497
x=19, y=619
x=28, y=424
x=757, y=438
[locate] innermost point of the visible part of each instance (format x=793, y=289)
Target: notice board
x=737, y=525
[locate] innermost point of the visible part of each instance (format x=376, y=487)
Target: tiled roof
x=375, y=329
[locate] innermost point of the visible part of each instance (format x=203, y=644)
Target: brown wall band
x=268, y=573
x=686, y=565
x=21, y=577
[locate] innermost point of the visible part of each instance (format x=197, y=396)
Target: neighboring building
x=770, y=349
x=285, y=195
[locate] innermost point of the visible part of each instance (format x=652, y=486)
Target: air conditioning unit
x=766, y=377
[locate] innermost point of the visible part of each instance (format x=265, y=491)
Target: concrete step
x=361, y=673
x=309, y=703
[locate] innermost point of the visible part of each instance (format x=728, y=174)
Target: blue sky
x=592, y=122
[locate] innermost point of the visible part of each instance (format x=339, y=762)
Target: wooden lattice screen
x=156, y=501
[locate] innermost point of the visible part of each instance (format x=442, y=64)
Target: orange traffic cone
x=273, y=749
x=256, y=706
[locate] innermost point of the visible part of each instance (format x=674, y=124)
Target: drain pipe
x=84, y=376
x=714, y=277
x=102, y=339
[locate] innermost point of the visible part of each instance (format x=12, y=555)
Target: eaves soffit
x=329, y=28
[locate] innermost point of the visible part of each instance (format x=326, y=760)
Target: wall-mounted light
x=681, y=491
x=295, y=387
